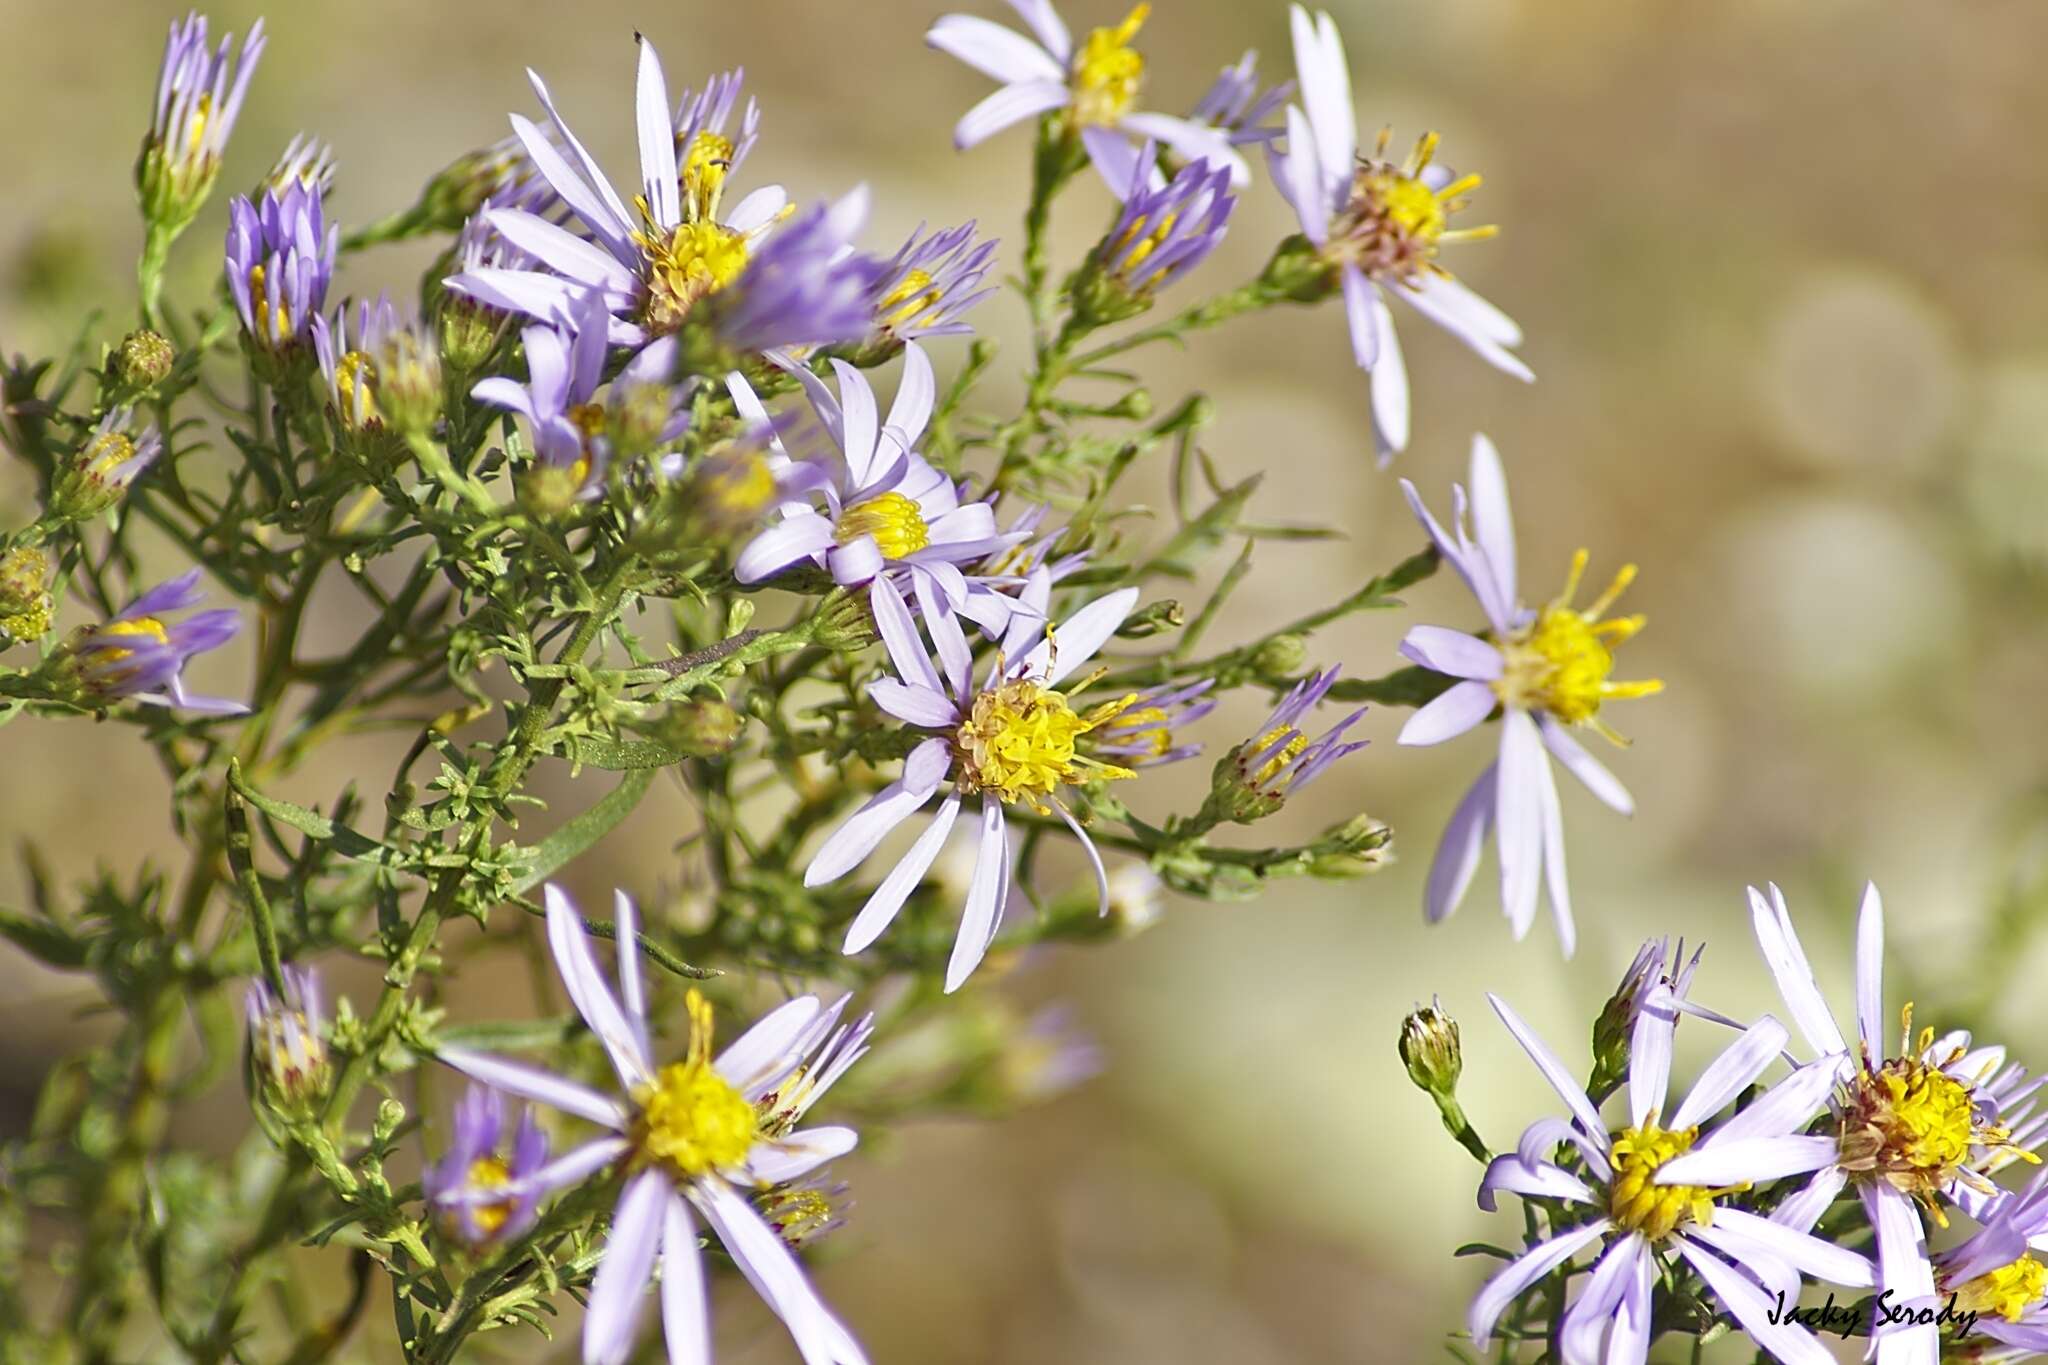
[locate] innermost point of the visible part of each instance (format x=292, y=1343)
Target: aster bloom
x=1094, y=84
x=1144, y=734
x=1996, y=1275
x=285, y=1035
x=1915, y=1129
x=1254, y=779
x=802, y=1212
x=806, y=286
x=105, y=466
x=280, y=258
x=1163, y=231
x=575, y=434
x=470, y=327
x=928, y=285
x=887, y=510
x=1235, y=107
x=654, y=264
x=1013, y=741
x=696, y=1138
x=139, y=655
x=307, y=162
x=1544, y=671
x=1378, y=226
x=483, y=1188
x=1625, y=1181
x=198, y=98
x=348, y=365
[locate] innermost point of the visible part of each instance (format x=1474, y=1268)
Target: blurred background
x=1785, y=280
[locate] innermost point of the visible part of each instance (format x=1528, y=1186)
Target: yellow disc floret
x=107, y=453
x=894, y=520
x=703, y=171
x=1395, y=221
x=2007, y=1292
x=490, y=1173
x=684, y=265
x=1635, y=1202
x=1018, y=742
x=692, y=1121
x=1281, y=757
x=1561, y=662
x=1107, y=71
x=354, y=390
x=909, y=302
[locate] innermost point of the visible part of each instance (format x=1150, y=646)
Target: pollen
x=895, y=521
x=703, y=172
x=685, y=265
x=911, y=301
x=1563, y=661
x=691, y=1120
x=2007, y=1292
x=1108, y=71
x=1018, y=741
x=1395, y=222
x=1635, y=1202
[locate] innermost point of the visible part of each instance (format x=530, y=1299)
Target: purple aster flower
x=1234, y=107
x=284, y=1035
x=1996, y=1275
x=806, y=286
x=576, y=435
x=1012, y=741
x=929, y=284
x=886, y=509
x=653, y=265
x=280, y=258
x=1094, y=84
x=1544, y=671
x=706, y=156
x=995, y=586
x=1378, y=225
x=1144, y=734
x=139, y=655
x=196, y=108
x=486, y=1192
x=802, y=1212
x=1280, y=760
x=1915, y=1129
x=104, y=467
x=1165, y=230
x=349, y=366
x=1651, y=1188
x=695, y=1138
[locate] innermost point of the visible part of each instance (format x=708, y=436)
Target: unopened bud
x=702, y=729
x=144, y=360
x=1299, y=272
x=285, y=1040
x=1359, y=846
x=1283, y=656
x=409, y=382
x=1137, y=899
x=1153, y=618
x=25, y=606
x=104, y=466
x=1431, y=1051
x=845, y=621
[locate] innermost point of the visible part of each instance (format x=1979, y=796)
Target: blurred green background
x=1785, y=277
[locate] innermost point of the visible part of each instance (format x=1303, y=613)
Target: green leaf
x=40, y=939
x=314, y=825
x=622, y=755
x=556, y=851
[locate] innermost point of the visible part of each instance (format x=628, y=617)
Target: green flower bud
x=1283, y=656
x=409, y=383
x=25, y=606
x=144, y=360
x=1430, y=1050
x=1359, y=846
x=702, y=729
x=845, y=621
x=1298, y=271
x=1152, y=619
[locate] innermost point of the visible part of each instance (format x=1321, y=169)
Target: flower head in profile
x=1163, y=231
x=141, y=654
x=1148, y=730
x=348, y=362
x=112, y=458
x=1258, y=776
x=1547, y=672
x=1377, y=225
x=280, y=259
x=285, y=1041
x=198, y=98
x=1996, y=1275
x=1093, y=86
x=1918, y=1129
x=928, y=286
x=654, y=262
x=695, y=1138
x=1658, y=1188
x=307, y=162
x=483, y=1187
x=885, y=509
x=1236, y=107
x=1013, y=740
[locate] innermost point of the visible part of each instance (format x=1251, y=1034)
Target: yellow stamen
x=703, y=173
x=1394, y=223
x=1561, y=662
x=354, y=375
x=2007, y=1292
x=274, y=327
x=1282, y=756
x=895, y=521
x=1635, y=1202
x=1107, y=71
x=490, y=1173
x=684, y=265
x=909, y=301
x=691, y=1120
x=1018, y=742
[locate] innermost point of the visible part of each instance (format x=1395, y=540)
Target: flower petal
x=569, y=941
x=613, y=1314
x=1870, y=970
x=1456, y=711
x=1748, y=1159
x=1389, y=384
x=915, y=704
x=1453, y=652
x=772, y=1048
x=1518, y=817
x=775, y=1275
x=1904, y=1275
x=1554, y=1071
x=1582, y=765
x=985, y=893
x=1587, y=1322
x=685, y=1312
x=658, y=173
x=1457, y=853
x=999, y=53
x=798, y=1154
x=1803, y=1251
x=1075, y=640
x=1539, y=1180
x=1787, y=1342
x=1507, y=1285
x=903, y=878
x=1011, y=104
x=1741, y=1062
x=532, y=1083
x=849, y=845
x=1787, y=961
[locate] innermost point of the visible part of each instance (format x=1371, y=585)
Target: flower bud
x=1283, y=656
x=409, y=382
x=702, y=729
x=1298, y=271
x=1614, y=1030
x=144, y=360
x=801, y=1212
x=1430, y=1050
x=289, y=1054
x=25, y=606
x=1152, y=619
x=845, y=621
x=104, y=467
x=1359, y=846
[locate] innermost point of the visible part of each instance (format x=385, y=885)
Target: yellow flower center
x=1394, y=223
x=1107, y=71
x=2007, y=1292
x=272, y=328
x=1148, y=236
x=291, y=1052
x=354, y=375
x=146, y=626
x=1561, y=662
x=909, y=301
x=895, y=521
x=1018, y=742
x=691, y=1120
x=1635, y=1202
x=703, y=173
x=1282, y=756
x=684, y=265
x=796, y=1213
x=107, y=453
x=490, y=1173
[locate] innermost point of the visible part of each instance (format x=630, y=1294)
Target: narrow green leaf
x=556, y=851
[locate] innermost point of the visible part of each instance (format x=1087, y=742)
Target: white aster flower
x=1915, y=1130
x=695, y=1138
x=1544, y=671
x=1630, y=1186
x=886, y=508
x=1095, y=82
x=1379, y=225
x=1010, y=742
